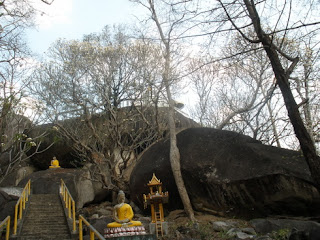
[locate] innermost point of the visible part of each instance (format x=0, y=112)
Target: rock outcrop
x=17, y=175
x=264, y=226
x=78, y=181
x=63, y=148
x=7, y=204
x=229, y=173
x=52, y=145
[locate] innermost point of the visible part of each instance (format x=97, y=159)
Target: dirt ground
x=180, y=227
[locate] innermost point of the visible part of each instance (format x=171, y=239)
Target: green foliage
x=224, y=235
x=205, y=231
x=56, y=139
x=281, y=234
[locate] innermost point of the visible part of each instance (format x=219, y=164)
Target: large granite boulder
x=264, y=226
x=229, y=173
x=63, y=150
x=17, y=171
x=7, y=204
x=20, y=171
x=78, y=181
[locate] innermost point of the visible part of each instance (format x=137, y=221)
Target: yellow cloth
x=124, y=212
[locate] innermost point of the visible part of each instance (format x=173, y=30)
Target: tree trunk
x=273, y=125
x=305, y=140
x=174, y=150
x=282, y=76
x=175, y=159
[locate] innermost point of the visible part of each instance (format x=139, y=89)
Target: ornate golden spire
x=154, y=181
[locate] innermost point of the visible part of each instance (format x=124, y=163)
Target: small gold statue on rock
x=54, y=163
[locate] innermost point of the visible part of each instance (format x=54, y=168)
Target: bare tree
x=15, y=17
x=306, y=84
x=234, y=92
x=204, y=82
x=270, y=26
x=272, y=23
x=103, y=94
x=166, y=29
x=282, y=75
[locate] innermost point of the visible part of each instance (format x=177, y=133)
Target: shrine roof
x=154, y=181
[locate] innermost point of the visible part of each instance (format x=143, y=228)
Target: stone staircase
x=45, y=219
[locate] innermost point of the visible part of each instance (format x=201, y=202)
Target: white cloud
x=59, y=12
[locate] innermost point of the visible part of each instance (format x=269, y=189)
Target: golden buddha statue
x=54, y=163
x=123, y=214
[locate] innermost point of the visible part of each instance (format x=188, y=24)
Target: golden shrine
x=155, y=199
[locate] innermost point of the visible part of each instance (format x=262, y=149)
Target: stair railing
x=69, y=204
x=93, y=231
x=21, y=205
x=6, y=221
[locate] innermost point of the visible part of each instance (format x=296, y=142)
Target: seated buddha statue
x=123, y=214
x=54, y=163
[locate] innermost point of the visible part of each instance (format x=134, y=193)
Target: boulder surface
x=7, y=204
x=78, y=182
x=63, y=150
x=230, y=174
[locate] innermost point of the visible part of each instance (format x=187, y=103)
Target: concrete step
x=55, y=221
x=48, y=225
x=55, y=211
x=42, y=219
x=42, y=231
x=35, y=214
x=45, y=237
x=44, y=206
x=44, y=196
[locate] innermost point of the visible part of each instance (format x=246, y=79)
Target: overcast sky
x=71, y=19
